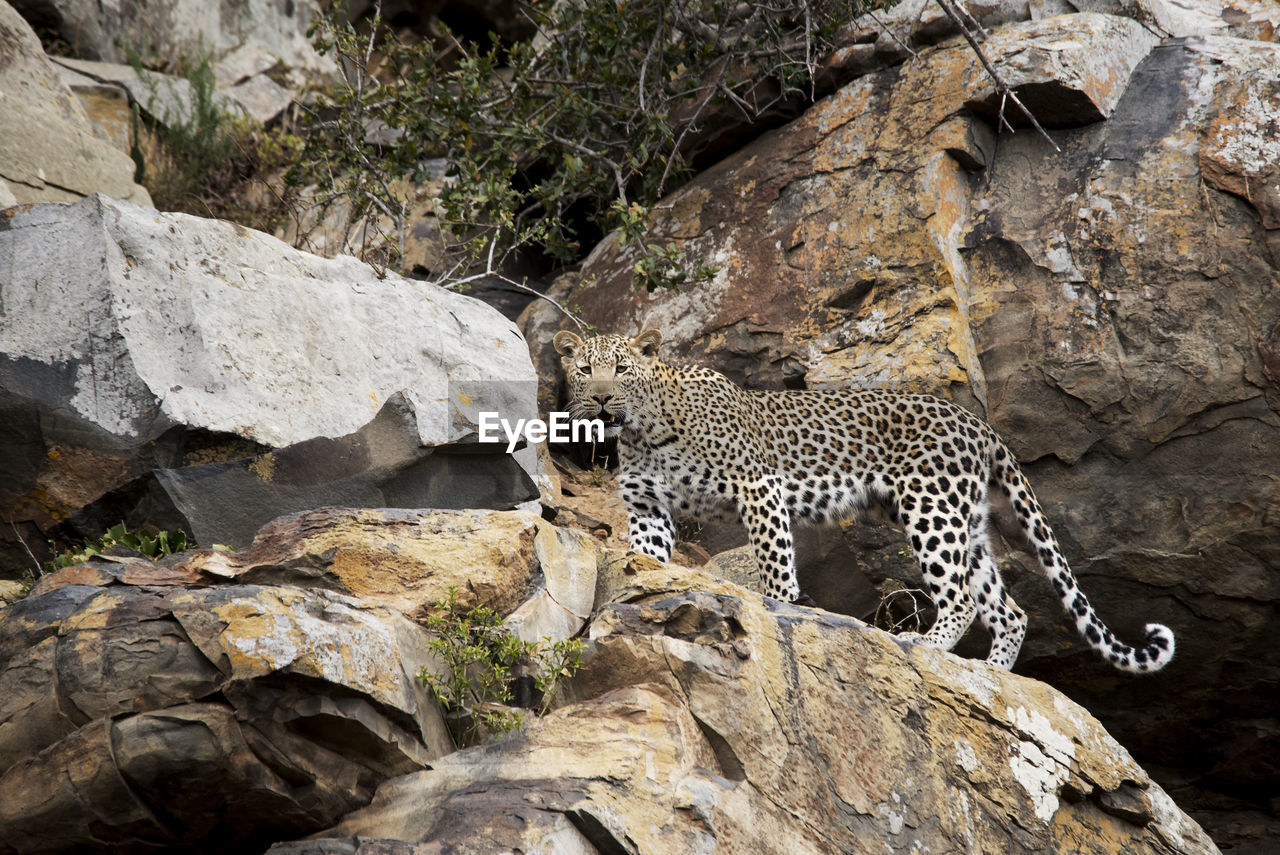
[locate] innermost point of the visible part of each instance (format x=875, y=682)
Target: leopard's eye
x=585, y=368
x=623, y=367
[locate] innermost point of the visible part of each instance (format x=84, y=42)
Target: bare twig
x=491, y=272
x=959, y=4
x=1002, y=87
x=892, y=35
x=25, y=548
x=506, y=280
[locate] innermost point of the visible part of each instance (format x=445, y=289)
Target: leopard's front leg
x=768, y=523
x=650, y=529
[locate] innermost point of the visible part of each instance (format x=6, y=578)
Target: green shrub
x=478, y=656
x=584, y=127
x=153, y=544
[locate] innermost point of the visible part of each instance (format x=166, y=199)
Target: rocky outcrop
x=255, y=35
x=48, y=147
x=217, y=700
x=1111, y=309
x=136, y=341
x=541, y=576
x=707, y=718
x=148, y=714
x=221, y=699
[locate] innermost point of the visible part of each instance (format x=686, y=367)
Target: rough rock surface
x=709, y=719
x=139, y=711
x=133, y=341
x=542, y=576
x=383, y=464
x=222, y=701
x=1112, y=310
x=185, y=30
x=48, y=148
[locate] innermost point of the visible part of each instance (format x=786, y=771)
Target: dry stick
x=892, y=34
x=959, y=4
x=491, y=273
x=1002, y=87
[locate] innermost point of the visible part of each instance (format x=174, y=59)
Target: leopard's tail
x=1158, y=646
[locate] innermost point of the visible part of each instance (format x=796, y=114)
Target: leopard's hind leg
x=940, y=541
x=1000, y=614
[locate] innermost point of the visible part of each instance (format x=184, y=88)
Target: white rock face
x=169, y=318
x=187, y=29
x=48, y=149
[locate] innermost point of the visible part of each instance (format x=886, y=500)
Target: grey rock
x=133, y=340
x=184, y=30
x=382, y=465
x=210, y=718
x=48, y=147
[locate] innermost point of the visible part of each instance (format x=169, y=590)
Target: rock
x=1249, y=19
x=543, y=578
x=383, y=464
x=260, y=98
x=139, y=341
x=706, y=718
x=186, y=30
x=208, y=718
x=1110, y=310
x=107, y=106
x=161, y=98
x=1068, y=71
x=165, y=98
x=48, y=148
x=1240, y=148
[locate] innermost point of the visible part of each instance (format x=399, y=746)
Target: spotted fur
x=692, y=443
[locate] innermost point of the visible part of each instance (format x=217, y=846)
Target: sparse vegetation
x=152, y=543
x=201, y=155
x=479, y=656
x=901, y=608
x=559, y=138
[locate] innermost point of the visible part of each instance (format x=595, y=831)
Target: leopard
x=692, y=443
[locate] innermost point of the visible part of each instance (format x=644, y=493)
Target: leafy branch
x=576, y=132
x=479, y=657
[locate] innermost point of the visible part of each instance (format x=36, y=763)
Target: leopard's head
x=609, y=376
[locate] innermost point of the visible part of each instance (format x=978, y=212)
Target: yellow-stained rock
x=709, y=719
x=136, y=716
x=511, y=561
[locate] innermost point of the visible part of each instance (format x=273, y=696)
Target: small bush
x=479, y=656
x=557, y=139
x=202, y=157
x=153, y=544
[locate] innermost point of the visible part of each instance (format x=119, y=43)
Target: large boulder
x=146, y=713
x=707, y=718
x=257, y=34
x=1111, y=309
x=542, y=577
x=136, y=341
x=48, y=147
x=221, y=700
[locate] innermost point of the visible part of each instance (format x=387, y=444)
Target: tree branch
x=1002, y=87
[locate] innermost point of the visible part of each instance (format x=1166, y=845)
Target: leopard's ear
x=646, y=344
x=567, y=343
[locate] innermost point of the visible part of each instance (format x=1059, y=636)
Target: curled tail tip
x=1157, y=651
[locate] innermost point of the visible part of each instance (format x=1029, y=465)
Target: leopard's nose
x=602, y=399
